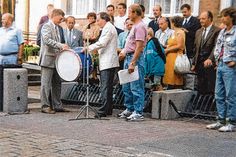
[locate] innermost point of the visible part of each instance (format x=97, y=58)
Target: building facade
x=79, y=8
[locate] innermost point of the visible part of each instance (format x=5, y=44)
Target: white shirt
x=207, y=31
x=70, y=35
x=186, y=20
x=119, y=21
x=163, y=36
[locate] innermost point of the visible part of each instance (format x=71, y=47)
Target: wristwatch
x=132, y=63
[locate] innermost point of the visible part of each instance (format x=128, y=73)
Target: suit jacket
x=50, y=46
x=39, y=35
x=77, y=38
x=106, y=46
x=192, y=26
x=205, y=50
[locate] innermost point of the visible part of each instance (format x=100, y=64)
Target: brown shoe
x=48, y=110
x=61, y=110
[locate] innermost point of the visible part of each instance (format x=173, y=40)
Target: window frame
x=195, y=8
x=90, y=9
x=225, y=4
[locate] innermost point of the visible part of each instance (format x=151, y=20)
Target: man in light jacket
x=108, y=61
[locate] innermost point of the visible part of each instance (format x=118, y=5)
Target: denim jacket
x=228, y=40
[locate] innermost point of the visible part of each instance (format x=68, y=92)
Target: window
x=169, y=7
x=227, y=3
x=179, y=3
x=234, y=4
x=165, y=5
x=145, y=3
x=80, y=8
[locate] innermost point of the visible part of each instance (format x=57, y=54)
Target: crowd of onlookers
x=132, y=41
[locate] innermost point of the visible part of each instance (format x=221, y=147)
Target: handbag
x=182, y=64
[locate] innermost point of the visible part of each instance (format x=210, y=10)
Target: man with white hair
x=164, y=32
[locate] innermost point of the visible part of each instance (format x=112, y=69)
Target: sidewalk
x=38, y=134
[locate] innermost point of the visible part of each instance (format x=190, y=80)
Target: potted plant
x=31, y=52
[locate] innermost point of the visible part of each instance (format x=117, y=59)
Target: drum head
x=68, y=65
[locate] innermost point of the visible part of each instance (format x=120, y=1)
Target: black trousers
x=107, y=77
x=206, y=77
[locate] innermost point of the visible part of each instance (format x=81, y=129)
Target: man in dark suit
x=191, y=24
x=154, y=24
x=73, y=37
x=203, y=62
x=50, y=81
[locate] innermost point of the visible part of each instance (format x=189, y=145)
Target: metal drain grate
x=77, y=94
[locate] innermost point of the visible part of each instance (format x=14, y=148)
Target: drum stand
x=85, y=109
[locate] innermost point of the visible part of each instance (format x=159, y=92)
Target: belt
x=8, y=54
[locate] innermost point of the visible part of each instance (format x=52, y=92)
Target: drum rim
x=80, y=64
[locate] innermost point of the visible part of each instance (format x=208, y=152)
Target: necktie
x=203, y=36
x=157, y=21
x=185, y=22
x=58, y=34
x=70, y=36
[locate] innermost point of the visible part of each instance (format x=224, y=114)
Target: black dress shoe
x=100, y=115
x=61, y=110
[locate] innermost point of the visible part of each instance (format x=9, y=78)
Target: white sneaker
x=227, y=128
x=124, y=114
x=135, y=117
x=214, y=126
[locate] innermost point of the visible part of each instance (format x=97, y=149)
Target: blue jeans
x=225, y=92
x=134, y=91
x=9, y=59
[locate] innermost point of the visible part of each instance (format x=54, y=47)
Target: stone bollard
x=15, y=90
x=161, y=109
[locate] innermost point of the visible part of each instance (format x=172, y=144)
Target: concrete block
x=15, y=87
x=160, y=102
x=156, y=104
x=179, y=98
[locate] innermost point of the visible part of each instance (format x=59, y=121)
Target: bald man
x=154, y=24
x=204, y=62
x=11, y=42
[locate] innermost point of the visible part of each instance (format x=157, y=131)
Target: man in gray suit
x=50, y=80
x=73, y=37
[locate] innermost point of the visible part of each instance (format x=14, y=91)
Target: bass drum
x=69, y=65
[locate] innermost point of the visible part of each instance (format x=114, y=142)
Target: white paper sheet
x=125, y=77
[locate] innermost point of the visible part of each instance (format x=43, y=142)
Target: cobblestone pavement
x=46, y=135
x=43, y=135
x=15, y=143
